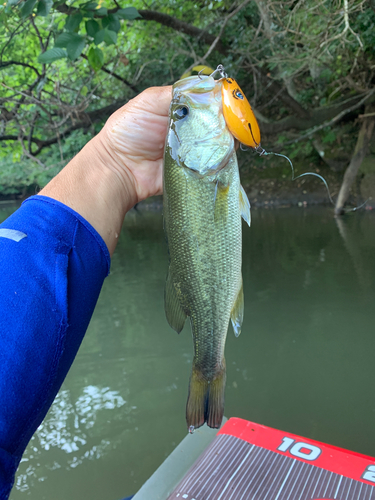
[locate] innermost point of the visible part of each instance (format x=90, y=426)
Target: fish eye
x=181, y=112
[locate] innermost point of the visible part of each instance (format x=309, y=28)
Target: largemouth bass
x=203, y=204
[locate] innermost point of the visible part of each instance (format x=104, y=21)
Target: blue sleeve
x=52, y=267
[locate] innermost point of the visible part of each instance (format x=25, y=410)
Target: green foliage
x=329, y=137
x=51, y=55
x=18, y=174
x=96, y=58
x=128, y=13
x=63, y=57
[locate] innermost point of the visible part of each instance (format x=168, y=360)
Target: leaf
x=92, y=27
x=96, y=58
x=90, y=6
x=43, y=7
x=111, y=22
x=73, y=22
x=128, y=13
x=110, y=37
x=75, y=47
x=106, y=35
x=27, y=8
x=65, y=38
x=51, y=55
x=101, y=12
x=41, y=84
x=99, y=37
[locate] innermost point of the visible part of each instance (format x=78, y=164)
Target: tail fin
x=206, y=400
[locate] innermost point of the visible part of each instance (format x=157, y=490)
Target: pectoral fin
x=221, y=202
x=175, y=315
x=236, y=315
x=245, y=206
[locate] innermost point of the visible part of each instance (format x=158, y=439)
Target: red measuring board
x=248, y=461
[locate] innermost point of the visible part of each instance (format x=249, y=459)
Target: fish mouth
x=195, y=84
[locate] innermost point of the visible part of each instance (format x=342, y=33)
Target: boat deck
x=245, y=461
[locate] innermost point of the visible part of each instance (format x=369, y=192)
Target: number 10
x=298, y=449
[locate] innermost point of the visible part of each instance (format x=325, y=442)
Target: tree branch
x=86, y=119
x=18, y=63
x=115, y=75
x=334, y=118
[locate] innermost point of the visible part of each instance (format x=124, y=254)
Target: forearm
x=92, y=186
x=50, y=281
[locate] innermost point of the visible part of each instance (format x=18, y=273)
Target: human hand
x=134, y=138
x=119, y=167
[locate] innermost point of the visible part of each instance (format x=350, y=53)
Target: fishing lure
x=238, y=114
x=243, y=125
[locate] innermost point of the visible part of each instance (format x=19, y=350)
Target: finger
x=154, y=100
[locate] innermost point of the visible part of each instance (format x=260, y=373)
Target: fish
x=203, y=202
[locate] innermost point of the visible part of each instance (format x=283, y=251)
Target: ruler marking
x=236, y=453
x=209, y=465
x=217, y=447
x=297, y=476
x=316, y=484
x=360, y=490
x=307, y=480
x=338, y=486
x=257, y=452
x=284, y=461
x=371, y=492
x=265, y=456
x=265, y=476
x=329, y=480
x=282, y=486
x=235, y=472
x=312, y=482
x=350, y=485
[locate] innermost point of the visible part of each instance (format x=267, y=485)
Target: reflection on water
x=303, y=362
x=65, y=428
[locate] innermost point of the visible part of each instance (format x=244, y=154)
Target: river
x=304, y=362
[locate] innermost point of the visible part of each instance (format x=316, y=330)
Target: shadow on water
x=303, y=362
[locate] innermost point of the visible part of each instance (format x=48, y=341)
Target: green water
x=303, y=362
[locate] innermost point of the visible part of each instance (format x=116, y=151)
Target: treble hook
x=220, y=69
x=199, y=74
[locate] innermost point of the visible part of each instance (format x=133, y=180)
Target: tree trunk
x=360, y=151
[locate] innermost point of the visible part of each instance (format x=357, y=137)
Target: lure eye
x=181, y=112
x=238, y=94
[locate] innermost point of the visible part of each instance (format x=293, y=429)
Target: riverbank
x=284, y=193
x=268, y=183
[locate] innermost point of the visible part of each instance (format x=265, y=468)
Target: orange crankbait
x=238, y=114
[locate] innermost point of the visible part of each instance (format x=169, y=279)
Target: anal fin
x=236, y=314
x=173, y=310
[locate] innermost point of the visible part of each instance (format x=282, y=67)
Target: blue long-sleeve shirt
x=52, y=267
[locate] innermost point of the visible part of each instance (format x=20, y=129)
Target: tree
x=308, y=67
